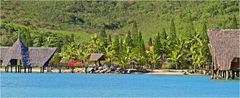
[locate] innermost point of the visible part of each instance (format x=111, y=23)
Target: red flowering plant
x=74, y=63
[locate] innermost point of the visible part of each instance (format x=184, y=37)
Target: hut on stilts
x=96, y=58
x=224, y=47
x=24, y=58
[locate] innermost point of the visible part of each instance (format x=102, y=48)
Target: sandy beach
x=153, y=72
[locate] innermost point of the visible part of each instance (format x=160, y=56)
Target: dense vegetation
x=155, y=34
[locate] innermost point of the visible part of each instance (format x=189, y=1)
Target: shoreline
x=173, y=72
x=152, y=72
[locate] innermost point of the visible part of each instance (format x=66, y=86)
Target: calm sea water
x=110, y=85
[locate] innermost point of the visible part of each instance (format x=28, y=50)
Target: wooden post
x=11, y=68
x=20, y=69
x=213, y=72
x=43, y=69
x=5, y=68
x=15, y=68
x=60, y=70
x=72, y=69
x=237, y=73
x=226, y=73
x=25, y=69
x=233, y=74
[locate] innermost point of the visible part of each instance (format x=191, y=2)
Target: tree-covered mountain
x=154, y=33
x=117, y=17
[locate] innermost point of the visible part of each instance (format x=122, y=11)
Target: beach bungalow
x=96, y=57
x=224, y=47
x=22, y=57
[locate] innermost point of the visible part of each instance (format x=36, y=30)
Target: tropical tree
x=153, y=59
x=176, y=54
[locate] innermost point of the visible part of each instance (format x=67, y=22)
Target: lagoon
x=114, y=85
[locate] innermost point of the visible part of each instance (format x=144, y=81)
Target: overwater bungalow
x=224, y=47
x=22, y=57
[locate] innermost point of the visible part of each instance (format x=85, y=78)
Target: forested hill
x=159, y=34
x=83, y=18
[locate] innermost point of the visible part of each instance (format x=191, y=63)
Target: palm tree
x=153, y=58
x=197, y=51
x=109, y=52
x=176, y=54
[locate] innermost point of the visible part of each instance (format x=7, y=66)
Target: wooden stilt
x=237, y=73
x=20, y=69
x=11, y=68
x=25, y=69
x=233, y=74
x=43, y=69
x=72, y=70
x=226, y=75
x=15, y=68
x=7, y=68
x=28, y=69
x=60, y=70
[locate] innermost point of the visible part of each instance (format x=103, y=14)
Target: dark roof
x=224, y=46
x=96, y=57
x=32, y=56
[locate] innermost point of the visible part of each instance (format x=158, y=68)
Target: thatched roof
x=224, y=46
x=17, y=51
x=3, y=52
x=40, y=56
x=32, y=56
x=96, y=57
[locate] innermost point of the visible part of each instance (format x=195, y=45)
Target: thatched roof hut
x=32, y=56
x=224, y=47
x=96, y=57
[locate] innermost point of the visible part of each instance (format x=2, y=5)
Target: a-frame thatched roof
x=17, y=51
x=224, y=46
x=32, y=56
x=96, y=57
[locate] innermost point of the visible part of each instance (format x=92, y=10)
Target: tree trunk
x=194, y=68
x=110, y=61
x=154, y=66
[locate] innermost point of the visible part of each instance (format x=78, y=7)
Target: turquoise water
x=112, y=85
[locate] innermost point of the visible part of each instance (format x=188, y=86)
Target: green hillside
x=116, y=17
x=157, y=34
